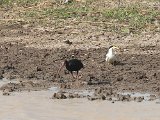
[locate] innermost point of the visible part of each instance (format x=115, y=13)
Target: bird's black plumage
x=73, y=65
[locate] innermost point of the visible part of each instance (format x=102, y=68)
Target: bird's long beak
x=60, y=68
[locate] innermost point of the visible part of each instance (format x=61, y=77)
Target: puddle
x=54, y=89
x=83, y=92
x=5, y=81
x=80, y=92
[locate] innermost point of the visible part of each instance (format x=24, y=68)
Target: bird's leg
x=77, y=75
x=78, y=82
x=108, y=62
x=77, y=78
x=72, y=75
x=114, y=63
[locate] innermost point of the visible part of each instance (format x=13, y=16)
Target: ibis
x=72, y=65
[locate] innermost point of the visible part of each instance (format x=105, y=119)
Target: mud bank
x=135, y=72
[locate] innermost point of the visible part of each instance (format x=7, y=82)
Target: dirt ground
x=36, y=53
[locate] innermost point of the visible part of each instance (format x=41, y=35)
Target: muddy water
x=37, y=105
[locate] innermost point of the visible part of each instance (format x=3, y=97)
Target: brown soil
x=28, y=54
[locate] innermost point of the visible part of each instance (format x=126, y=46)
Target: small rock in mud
x=101, y=90
x=68, y=42
x=103, y=97
x=72, y=95
x=98, y=91
x=98, y=97
x=1, y=75
x=103, y=93
x=124, y=97
x=59, y=96
x=66, y=95
x=21, y=86
x=91, y=98
x=9, y=76
x=152, y=97
x=8, y=90
x=27, y=84
x=119, y=78
x=138, y=99
x=65, y=86
x=9, y=86
x=6, y=93
x=109, y=98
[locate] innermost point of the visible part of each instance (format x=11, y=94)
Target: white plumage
x=111, y=55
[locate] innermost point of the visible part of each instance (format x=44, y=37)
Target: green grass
x=64, y=13
x=134, y=17
x=10, y=3
x=6, y=2
x=131, y=16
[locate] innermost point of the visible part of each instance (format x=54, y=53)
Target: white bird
x=111, y=55
x=68, y=1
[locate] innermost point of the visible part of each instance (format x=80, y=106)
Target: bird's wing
x=106, y=58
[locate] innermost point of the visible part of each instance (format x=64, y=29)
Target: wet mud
x=134, y=72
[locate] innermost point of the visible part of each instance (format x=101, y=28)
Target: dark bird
x=72, y=65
